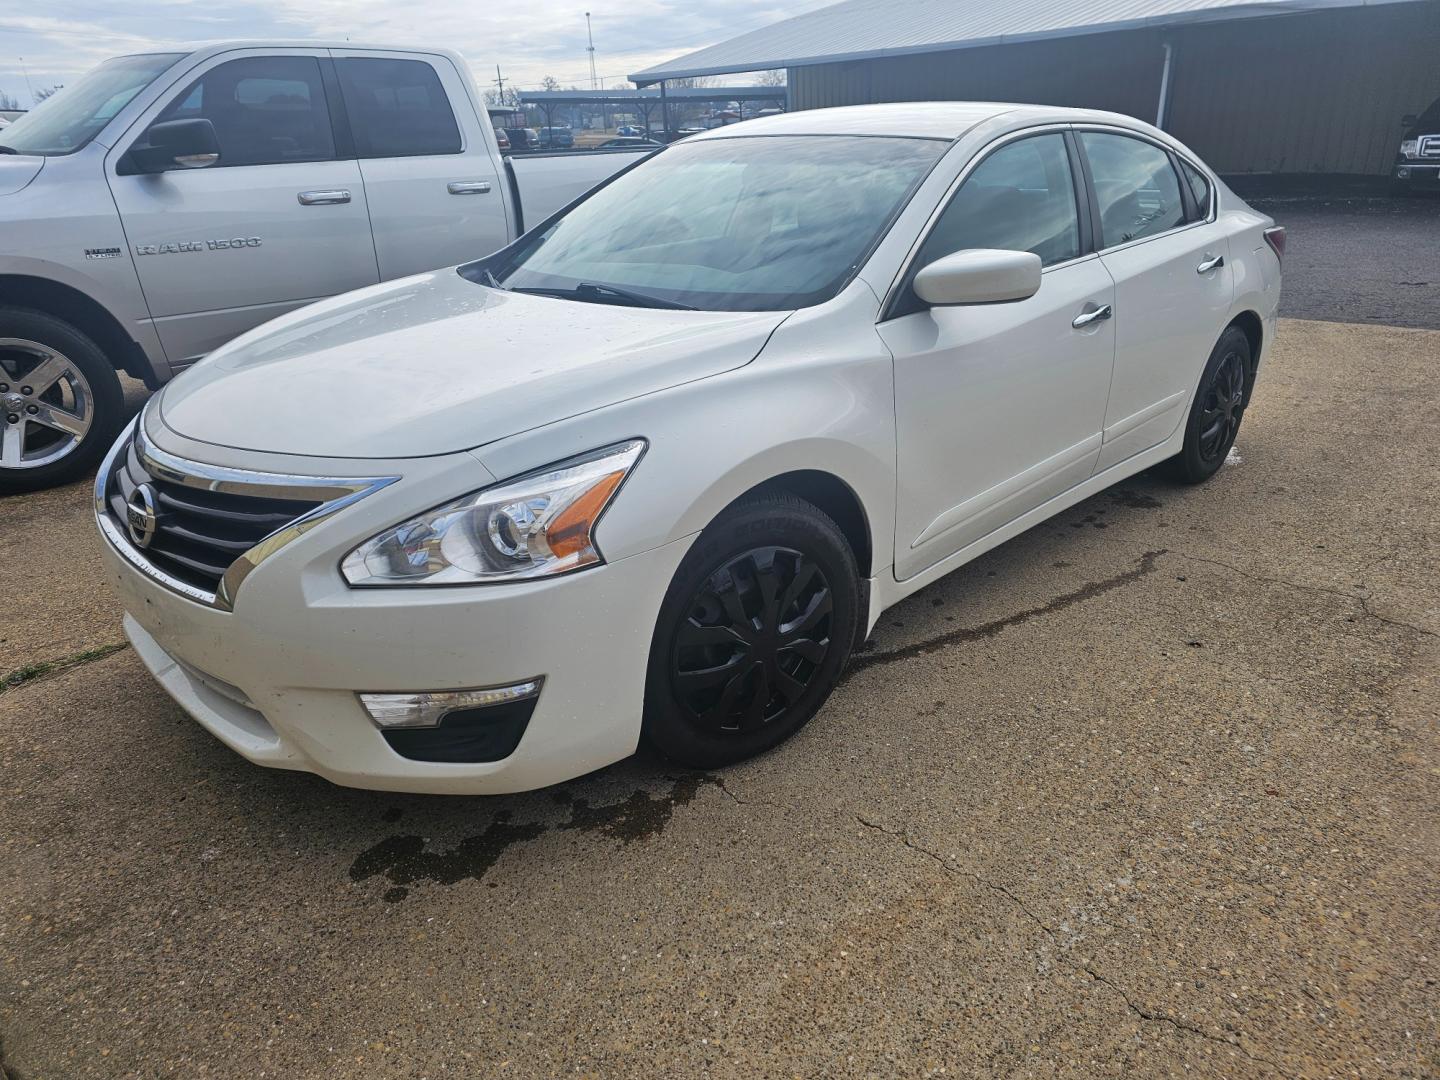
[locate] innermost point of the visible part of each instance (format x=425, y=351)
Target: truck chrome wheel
x=46, y=406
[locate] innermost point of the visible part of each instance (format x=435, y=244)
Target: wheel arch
x=86, y=314
x=1250, y=324
x=833, y=497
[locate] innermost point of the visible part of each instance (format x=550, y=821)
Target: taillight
x=1276, y=239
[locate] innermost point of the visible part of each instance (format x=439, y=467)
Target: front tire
x=753, y=633
x=60, y=401
x=1217, y=410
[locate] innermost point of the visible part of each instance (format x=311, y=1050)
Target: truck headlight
x=1410, y=148
x=529, y=527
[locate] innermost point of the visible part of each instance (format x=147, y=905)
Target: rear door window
x=1199, y=188
x=397, y=108
x=266, y=110
x=1138, y=191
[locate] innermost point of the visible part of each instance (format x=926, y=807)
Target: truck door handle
x=321, y=198
x=1210, y=264
x=468, y=187
x=1085, y=318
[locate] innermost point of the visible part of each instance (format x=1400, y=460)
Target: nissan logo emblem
x=140, y=517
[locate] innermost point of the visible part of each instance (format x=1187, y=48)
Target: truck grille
x=198, y=533
x=198, y=529
x=1430, y=146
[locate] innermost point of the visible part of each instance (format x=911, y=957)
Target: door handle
x=468, y=187
x=1210, y=264
x=321, y=198
x=1085, y=318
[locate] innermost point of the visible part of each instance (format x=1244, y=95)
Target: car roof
x=915, y=119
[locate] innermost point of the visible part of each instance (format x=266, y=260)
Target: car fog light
x=426, y=708
x=1402, y=173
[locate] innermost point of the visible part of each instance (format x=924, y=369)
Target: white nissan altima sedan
x=653, y=470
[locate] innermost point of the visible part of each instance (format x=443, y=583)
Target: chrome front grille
x=1430, y=146
x=198, y=533
x=200, y=529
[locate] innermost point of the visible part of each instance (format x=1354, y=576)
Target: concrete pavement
x=1149, y=791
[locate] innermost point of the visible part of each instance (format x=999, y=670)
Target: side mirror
x=979, y=276
x=1408, y=120
x=176, y=144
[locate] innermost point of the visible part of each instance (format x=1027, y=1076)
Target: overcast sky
x=60, y=39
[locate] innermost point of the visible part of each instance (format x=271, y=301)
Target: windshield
x=759, y=223
x=70, y=118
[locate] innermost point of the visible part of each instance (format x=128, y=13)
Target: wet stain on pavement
x=1134, y=500
x=404, y=860
x=990, y=629
x=640, y=815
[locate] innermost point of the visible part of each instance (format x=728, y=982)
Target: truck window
x=397, y=108
x=75, y=115
x=267, y=110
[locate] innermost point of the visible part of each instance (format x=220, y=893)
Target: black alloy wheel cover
x=1223, y=407
x=751, y=641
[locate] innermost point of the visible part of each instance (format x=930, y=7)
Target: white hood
x=436, y=363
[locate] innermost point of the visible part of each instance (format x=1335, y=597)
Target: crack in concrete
x=988, y=630
x=1363, y=601
x=33, y=672
x=1060, y=949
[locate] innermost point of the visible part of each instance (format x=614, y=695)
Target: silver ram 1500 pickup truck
x=169, y=201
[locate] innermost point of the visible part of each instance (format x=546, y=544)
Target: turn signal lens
x=530, y=527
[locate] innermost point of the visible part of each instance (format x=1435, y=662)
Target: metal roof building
x=1255, y=86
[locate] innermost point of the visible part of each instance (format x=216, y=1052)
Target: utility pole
x=591, y=50
x=500, y=82
x=26, y=72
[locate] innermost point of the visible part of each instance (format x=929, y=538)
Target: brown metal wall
x=1314, y=93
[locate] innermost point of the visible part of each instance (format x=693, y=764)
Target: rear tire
x=1217, y=410
x=60, y=401
x=753, y=633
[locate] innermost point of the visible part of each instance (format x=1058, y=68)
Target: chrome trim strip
x=332, y=492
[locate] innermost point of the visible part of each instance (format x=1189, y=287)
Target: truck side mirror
x=175, y=144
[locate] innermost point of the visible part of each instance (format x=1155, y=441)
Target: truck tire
x=60, y=401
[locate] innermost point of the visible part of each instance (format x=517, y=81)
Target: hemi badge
x=102, y=253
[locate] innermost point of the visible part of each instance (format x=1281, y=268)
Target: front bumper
x=1417, y=173
x=276, y=678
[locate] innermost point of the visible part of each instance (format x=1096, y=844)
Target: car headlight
x=1410, y=148
x=533, y=526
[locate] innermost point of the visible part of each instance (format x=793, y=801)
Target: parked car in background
x=629, y=130
x=618, y=143
x=1417, y=164
x=4, y=123
x=166, y=202
x=556, y=138
x=502, y=140
x=523, y=138
x=484, y=530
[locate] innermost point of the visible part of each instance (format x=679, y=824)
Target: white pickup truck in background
x=166, y=202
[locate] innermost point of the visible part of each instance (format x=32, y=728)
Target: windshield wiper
x=8, y=150
x=593, y=291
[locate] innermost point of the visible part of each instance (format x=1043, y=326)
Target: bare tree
x=45, y=92
x=774, y=77
x=550, y=82
x=693, y=81
x=8, y=101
